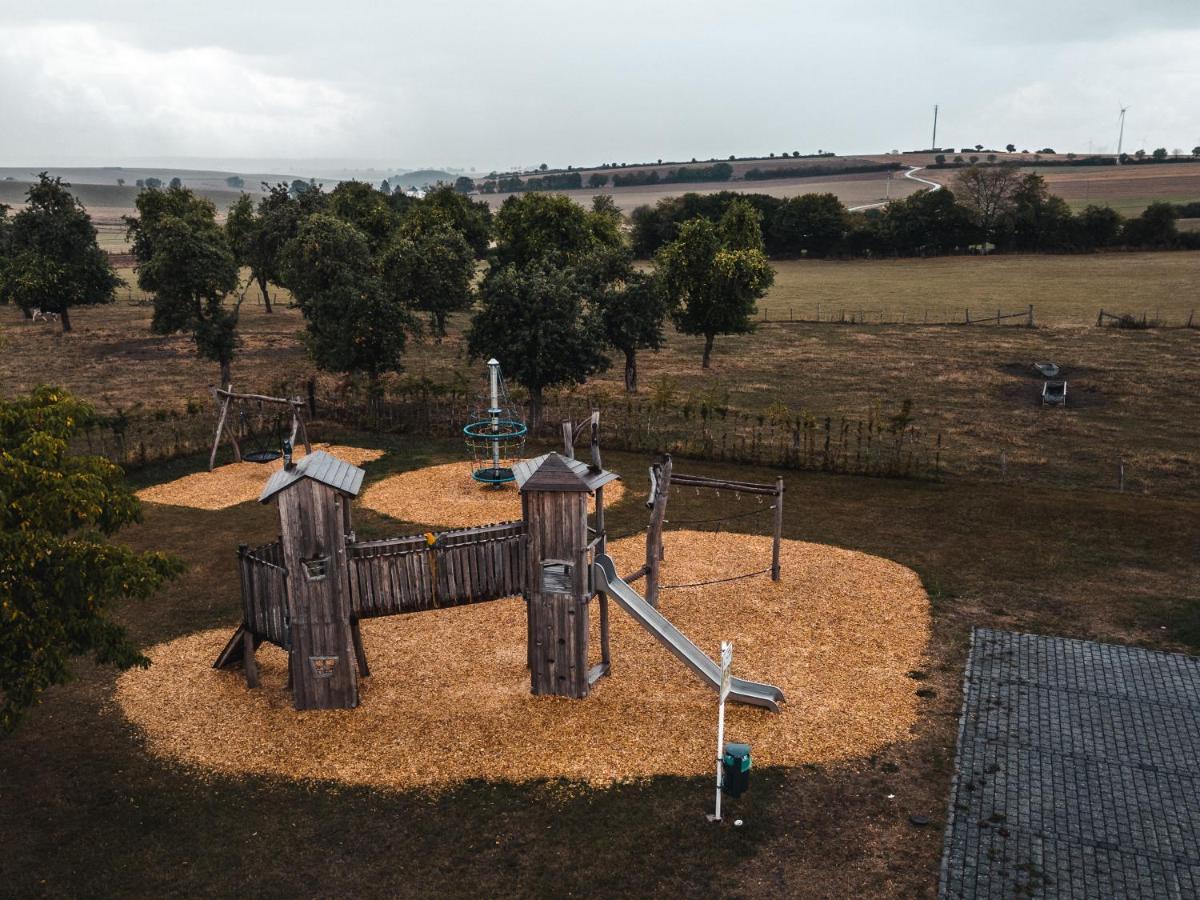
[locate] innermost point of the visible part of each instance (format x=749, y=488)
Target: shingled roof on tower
x=319, y=466
x=552, y=472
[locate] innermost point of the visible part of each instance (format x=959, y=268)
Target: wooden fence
x=264, y=592
x=859, y=315
x=877, y=444
x=409, y=574
x=1145, y=320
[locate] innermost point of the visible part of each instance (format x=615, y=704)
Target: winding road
x=908, y=174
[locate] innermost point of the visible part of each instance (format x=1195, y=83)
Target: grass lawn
x=88, y=812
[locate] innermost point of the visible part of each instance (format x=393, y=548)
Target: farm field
x=1127, y=189
x=1133, y=393
x=853, y=190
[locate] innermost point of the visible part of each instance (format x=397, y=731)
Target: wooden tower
x=558, y=585
x=314, y=520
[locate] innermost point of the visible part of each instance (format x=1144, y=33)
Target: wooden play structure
x=249, y=421
x=308, y=591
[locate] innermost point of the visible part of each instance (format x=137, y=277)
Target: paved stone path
x=1077, y=774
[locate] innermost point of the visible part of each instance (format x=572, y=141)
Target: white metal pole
x=494, y=381
x=726, y=664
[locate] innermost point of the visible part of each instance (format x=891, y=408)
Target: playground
x=448, y=698
x=495, y=644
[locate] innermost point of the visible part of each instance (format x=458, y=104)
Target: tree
x=710, y=285
x=979, y=146
x=464, y=185
x=58, y=576
x=632, y=310
x=940, y=159
x=926, y=223
x=54, y=261
x=366, y=209
x=1097, y=227
x=1155, y=227
x=598, y=180
x=245, y=230
x=1037, y=220
x=812, y=224
x=176, y=182
x=987, y=194
x=1196, y=150
x=237, y=182
x=385, y=187
x=120, y=182
x=1160, y=154
x=429, y=266
x=185, y=262
x=549, y=228
x=536, y=322
x=473, y=219
x=355, y=323
x=153, y=182
x=1011, y=148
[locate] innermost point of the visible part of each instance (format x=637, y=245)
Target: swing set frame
x=224, y=398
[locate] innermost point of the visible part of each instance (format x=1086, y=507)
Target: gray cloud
x=497, y=84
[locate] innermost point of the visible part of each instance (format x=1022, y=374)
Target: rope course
x=692, y=584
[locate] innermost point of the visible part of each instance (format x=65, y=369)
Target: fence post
x=778, y=539
x=1189, y=321
x=968, y=316
x=312, y=398
x=1121, y=475
x=997, y=318
x=1029, y=324
x=818, y=312
x=1003, y=464
x=1100, y=318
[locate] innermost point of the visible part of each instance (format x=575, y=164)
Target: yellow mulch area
x=236, y=483
x=448, y=698
x=446, y=496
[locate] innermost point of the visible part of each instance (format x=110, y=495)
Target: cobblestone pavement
x=1077, y=774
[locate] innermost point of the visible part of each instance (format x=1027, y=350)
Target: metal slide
x=604, y=572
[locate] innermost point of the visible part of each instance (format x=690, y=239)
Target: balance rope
x=733, y=518
x=692, y=584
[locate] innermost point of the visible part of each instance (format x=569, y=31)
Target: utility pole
x=933, y=143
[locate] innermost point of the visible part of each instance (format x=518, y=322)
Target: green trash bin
x=735, y=769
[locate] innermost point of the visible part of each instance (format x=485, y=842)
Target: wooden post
x=997, y=317
x=1029, y=322
x=248, y=659
x=1100, y=318
x=654, y=539
x=778, y=539
x=304, y=432
x=312, y=397
x=1121, y=475
x=968, y=316
x=212, y=457
x=1003, y=464
x=1189, y=321
x=568, y=433
x=359, y=652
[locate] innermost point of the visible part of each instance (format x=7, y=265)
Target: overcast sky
x=494, y=83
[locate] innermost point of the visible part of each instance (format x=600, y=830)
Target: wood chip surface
x=446, y=496
x=448, y=698
x=236, y=483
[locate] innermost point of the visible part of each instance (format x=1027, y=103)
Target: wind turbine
x=1121, y=136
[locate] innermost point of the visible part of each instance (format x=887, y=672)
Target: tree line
x=987, y=208
x=552, y=286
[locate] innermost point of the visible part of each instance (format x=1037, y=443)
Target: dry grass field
x=1133, y=394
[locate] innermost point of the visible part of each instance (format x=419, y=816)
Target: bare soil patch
x=448, y=698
